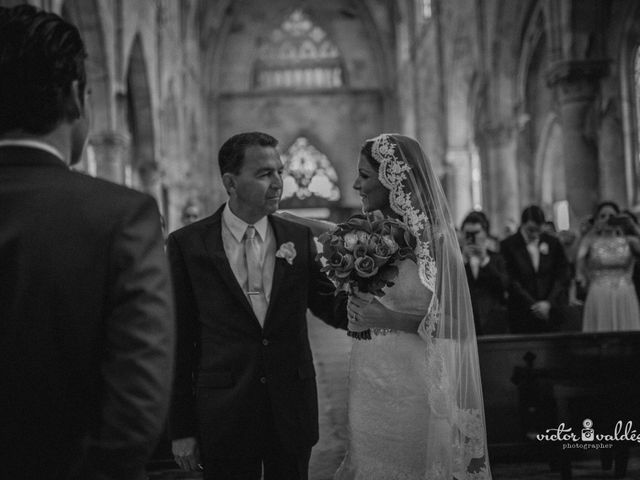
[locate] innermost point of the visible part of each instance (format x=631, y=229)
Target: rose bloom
x=360, y=251
x=366, y=266
x=350, y=240
x=391, y=243
x=363, y=237
x=381, y=254
x=343, y=270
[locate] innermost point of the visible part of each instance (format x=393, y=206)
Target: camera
x=618, y=221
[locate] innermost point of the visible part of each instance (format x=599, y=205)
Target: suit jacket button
x=265, y=342
x=263, y=379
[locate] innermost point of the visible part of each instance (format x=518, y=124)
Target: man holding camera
x=486, y=274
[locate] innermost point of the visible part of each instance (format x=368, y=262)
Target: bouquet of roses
x=361, y=254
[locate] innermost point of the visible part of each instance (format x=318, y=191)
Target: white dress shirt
x=533, y=248
x=23, y=142
x=233, y=230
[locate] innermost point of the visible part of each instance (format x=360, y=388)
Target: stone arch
x=140, y=117
x=350, y=114
x=534, y=98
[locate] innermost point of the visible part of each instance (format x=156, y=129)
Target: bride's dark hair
x=366, y=151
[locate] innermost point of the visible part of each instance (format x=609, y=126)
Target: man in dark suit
x=486, y=274
x=539, y=276
x=86, y=320
x=245, y=392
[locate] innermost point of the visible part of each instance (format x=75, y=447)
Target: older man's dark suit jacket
x=225, y=360
x=527, y=286
x=86, y=323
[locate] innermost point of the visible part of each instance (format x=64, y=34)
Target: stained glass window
x=308, y=173
x=298, y=54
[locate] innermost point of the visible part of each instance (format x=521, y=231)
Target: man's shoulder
x=509, y=242
x=290, y=224
x=103, y=191
x=198, y=226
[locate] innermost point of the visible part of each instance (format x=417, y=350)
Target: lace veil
x=455, y=391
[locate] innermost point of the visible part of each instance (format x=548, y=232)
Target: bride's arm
x=367, y=313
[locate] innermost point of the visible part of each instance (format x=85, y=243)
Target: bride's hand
x=365, y=312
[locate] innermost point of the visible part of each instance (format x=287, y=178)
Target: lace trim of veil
x=451, y=351
x=393, y=175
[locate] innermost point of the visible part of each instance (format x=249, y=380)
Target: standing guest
x=605, y=266
x=190, y=213
x=538, y=275
x=86, y=321
x=487, y=276
x=245, y=393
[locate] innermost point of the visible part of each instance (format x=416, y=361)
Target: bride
x=415, y=399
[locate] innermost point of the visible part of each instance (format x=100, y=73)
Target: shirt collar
x=238, y=227
x=22, y=142
x=526, y=241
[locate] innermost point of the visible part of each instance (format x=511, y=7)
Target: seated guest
x=538, y=276
x=486, y=274
x=605, y=265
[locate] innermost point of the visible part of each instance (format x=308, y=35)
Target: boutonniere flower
x=287, y=251
x=544, y=248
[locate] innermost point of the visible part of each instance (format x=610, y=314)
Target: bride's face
x=373, y=195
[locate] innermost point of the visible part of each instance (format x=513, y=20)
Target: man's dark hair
x=40, y=56
x=477, y=217
x=534, y=214
x=231, y=155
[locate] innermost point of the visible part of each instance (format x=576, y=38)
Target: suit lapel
x=524, y=253
x=282, y=234
x=215, y=248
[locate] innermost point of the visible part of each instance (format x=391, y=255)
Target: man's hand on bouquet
x=187, y=454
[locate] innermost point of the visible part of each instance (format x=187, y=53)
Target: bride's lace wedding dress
x=394, y=433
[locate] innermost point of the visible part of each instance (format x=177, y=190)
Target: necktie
x=534, y=253
x=255, y=289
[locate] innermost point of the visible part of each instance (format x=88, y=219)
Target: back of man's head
x=40, y=56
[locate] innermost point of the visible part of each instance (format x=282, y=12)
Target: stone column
x=459, y=184
x=502, y=196
x=577, y=84
x=111, y=154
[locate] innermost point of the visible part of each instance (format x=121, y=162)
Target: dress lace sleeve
x=408, y=294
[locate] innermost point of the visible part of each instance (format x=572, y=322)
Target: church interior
x=515, y=102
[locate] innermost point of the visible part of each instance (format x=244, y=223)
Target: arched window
x=298, y=55
x=309, y=179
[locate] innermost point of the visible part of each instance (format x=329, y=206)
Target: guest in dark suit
x=486, y=274
x=245, y=390
x=539, y=276
x=86, y=320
